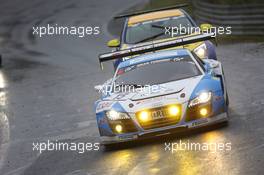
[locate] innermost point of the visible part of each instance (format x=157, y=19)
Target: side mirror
x=98, y=88
x=213, y=65
x=206, y=27
x=113, y=43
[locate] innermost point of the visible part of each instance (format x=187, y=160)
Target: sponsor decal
x=199, y=122
x=102, y=121
x=158, y=104
x=103, y=105
x=217, y=98
x=120, y=96
x=127, y=137
x=150, y=100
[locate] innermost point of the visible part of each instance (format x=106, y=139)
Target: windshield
x=157, y=72
x=152, y=30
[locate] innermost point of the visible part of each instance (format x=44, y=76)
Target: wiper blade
x=134, y=85
x=170, y=28
x=151, y=37
x=154, y=36
x=159, y=26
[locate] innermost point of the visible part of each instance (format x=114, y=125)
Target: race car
x=160, y=93
x=150, y=26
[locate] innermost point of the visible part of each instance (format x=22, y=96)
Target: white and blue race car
x=161, y=93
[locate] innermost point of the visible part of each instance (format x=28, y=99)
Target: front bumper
x=165, y=130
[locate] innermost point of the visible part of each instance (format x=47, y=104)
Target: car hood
x=168, y=93
x=185, y=86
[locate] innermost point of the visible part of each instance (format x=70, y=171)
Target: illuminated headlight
x=114, y=115
x=203, y=111
x=144, y=116
x=174, y=110
x=203, y=97
x=201, y=51
x=118, y=128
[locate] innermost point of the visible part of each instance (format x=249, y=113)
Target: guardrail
x=244, y=19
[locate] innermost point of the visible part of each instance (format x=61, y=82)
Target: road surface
x=47, y=94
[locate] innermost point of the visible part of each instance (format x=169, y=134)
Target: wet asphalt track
x=47, y=93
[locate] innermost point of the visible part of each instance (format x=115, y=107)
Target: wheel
x=227, y=109
x=227, y=100
x=0, y=60
x=109, y=147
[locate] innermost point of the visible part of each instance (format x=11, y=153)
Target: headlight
x=203, y=111
x=118, y=128
x=114, y=115
x=174, y=110
x=144, y=116
x=203, y=97
x=201, y=51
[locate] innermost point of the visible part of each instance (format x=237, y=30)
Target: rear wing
x=149, y=11
x=154, y=47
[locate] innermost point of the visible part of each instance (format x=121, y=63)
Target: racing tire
x=227, y=100
x=227, y=112
x=0, y=60
x=109, y=147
